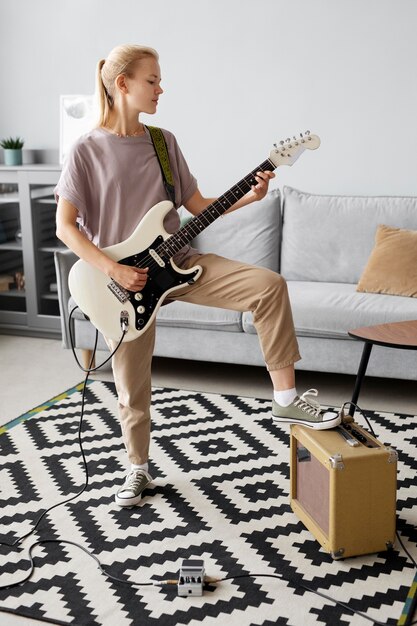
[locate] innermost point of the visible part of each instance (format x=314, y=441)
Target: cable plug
x=346, y=418
x=161, y=583
x=124, y=320
x=210, y=580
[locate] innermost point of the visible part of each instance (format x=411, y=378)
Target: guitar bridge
x=117, y=290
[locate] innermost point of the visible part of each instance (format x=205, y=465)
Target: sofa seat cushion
x=187, y=315
x=331, y=309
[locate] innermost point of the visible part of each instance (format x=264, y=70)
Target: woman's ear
x=121, y=83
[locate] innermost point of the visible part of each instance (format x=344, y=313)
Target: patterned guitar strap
x=161, y=150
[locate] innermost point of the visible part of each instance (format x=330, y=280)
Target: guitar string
x=164, y=247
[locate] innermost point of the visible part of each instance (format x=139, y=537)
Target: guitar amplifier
x=343, y=488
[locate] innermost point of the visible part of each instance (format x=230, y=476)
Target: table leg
x=360, y=375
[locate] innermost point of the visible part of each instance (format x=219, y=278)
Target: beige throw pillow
x=392, y=266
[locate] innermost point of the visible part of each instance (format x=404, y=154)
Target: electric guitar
x=111, y=307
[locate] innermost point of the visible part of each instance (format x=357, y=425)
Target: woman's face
x=143, y=88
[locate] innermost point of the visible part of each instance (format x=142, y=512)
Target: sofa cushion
x=331, y=309
x=188, y=315
x=330, y=238
x=392, y=266
x=250, y=234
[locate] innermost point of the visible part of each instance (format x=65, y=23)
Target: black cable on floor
x=19, y=539
x=319, y=593
x=77, y=545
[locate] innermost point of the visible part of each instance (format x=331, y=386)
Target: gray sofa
x=321, y=245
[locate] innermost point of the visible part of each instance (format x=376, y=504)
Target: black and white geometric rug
x=220, y=492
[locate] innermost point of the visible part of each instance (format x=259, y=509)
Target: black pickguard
x=160, y=280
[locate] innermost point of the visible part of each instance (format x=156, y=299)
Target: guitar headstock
x=287, y=152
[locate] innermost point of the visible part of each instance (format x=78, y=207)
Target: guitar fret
x=193, y=228
x=230, y=197
x=236, y=193
x=169, y=245
x=225, y=202
x=239, y=185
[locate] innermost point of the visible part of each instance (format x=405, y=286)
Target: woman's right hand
x=131, y=278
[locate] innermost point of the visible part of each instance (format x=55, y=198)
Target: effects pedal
x=191, y=577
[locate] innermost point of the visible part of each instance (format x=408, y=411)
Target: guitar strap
x=161, y=150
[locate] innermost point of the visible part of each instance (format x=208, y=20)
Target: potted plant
x=12, y=150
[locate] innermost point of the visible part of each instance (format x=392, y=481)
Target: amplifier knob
x=140, y=309
x=138, y=296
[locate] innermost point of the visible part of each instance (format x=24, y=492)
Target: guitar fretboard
x=197, y=224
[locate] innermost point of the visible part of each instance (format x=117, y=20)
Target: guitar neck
x=197, y=224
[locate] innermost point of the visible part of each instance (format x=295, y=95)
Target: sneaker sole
x=128, y=501
x=315, y=425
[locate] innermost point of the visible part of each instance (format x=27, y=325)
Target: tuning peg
x=301, y=134
x=275, y=145
x=288, y=140
x=307, y=132
x=281, y=143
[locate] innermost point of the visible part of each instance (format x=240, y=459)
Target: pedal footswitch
x=191, y=577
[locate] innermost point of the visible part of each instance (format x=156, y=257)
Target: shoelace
x=134, y=479
x=310, y=406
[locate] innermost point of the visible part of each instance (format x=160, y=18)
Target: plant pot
x=12, y=157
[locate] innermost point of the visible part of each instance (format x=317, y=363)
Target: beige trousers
x=226, y=284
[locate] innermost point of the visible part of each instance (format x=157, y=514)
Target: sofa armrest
x=64, y=260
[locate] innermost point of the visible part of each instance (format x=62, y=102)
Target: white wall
x=238, y=75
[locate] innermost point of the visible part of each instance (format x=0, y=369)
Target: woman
x=110, y=180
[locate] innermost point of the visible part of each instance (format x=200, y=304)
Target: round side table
x=394, y=335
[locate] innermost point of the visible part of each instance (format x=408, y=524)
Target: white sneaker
x=131, y=491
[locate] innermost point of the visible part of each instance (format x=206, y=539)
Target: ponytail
x=104, y=99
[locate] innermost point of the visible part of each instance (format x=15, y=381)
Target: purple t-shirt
x=114, y=181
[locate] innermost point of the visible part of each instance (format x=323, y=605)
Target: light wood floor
x=34, y=370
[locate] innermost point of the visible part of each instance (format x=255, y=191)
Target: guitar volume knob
x=140, y=309
x=138, y=296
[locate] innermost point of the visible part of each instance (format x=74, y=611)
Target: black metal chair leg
x=360, y=375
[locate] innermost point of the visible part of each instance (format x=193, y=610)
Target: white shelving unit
x=28, y=208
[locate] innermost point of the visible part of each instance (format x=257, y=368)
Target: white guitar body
x=90, y=287
x=113, y=309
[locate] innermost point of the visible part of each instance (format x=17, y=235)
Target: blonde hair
x=121, y=60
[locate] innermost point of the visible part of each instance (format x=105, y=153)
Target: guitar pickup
x=156, y=257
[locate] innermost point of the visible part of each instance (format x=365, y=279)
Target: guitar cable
x=88, y=371
x=155, y=583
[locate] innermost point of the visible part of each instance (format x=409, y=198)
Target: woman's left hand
x=261, y=189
